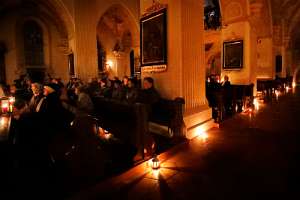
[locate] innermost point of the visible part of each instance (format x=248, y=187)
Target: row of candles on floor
x=154, y=163
x=7, y=105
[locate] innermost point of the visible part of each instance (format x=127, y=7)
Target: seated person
x=84, y=104
x=37, y=90
x=226, y=82
x=149, y=94
x=117, y=93
x=93, y=87
x=131, y=92
x=50, y=109
x=105, y=90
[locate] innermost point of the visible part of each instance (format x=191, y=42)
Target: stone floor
x=251, y=156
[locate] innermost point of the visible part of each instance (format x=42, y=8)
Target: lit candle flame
x=287, y=88
x=277, y=94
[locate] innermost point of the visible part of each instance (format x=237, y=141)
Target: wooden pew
x=168, y=113
x=128, y=122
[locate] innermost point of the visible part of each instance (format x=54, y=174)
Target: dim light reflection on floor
x=167, y=168
x=203, y=137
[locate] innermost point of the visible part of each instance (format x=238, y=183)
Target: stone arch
x=118, y=32
x=134, y=21
x=58, y=27
x=65, y=18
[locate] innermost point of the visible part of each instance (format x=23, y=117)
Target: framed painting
x=154, y=38
x=233, y=57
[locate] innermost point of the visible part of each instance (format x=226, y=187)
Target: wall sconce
x=109, y=64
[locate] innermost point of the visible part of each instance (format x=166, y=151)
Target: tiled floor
x=255, y=157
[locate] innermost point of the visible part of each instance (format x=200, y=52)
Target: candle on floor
x=4, y=107
x=11, y=102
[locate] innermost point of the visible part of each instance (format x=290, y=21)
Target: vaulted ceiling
x=288, y=12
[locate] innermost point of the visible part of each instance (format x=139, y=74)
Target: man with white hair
x=37, y=90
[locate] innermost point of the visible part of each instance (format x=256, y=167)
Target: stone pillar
x=85, y=42
x=185, y=75
x=197, y=113
x=285, y=56
x=193, y=66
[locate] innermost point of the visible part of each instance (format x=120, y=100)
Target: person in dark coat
x=50, y=109
x=105, y=90
x=226, y=82
x=131, y=92
x=118, y=92
x=149, y=94
x=227, y=95
x=84, y=104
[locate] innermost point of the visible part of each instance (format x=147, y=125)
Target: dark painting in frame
x=154, y=38
x=233, y=55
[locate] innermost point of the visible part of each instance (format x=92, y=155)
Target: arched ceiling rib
x=287, y=11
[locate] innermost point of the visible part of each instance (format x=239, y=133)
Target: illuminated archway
x=117, y=33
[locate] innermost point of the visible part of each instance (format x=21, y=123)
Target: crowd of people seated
x=75, y=96
x=43, y=110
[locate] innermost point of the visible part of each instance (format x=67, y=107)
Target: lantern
x=4, y=106
x=155, y=162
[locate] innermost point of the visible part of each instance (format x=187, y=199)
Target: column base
x=198, y=120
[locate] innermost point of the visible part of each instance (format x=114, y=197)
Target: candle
x=277, y=94
x=287, y=88
x=256, y=104
x=11, y=101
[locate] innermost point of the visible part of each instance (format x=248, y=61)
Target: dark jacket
x=32, y=105
x=149, y=96
x=131, y=95
x=118, y=94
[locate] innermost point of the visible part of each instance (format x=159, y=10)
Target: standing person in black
x=227, y=95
